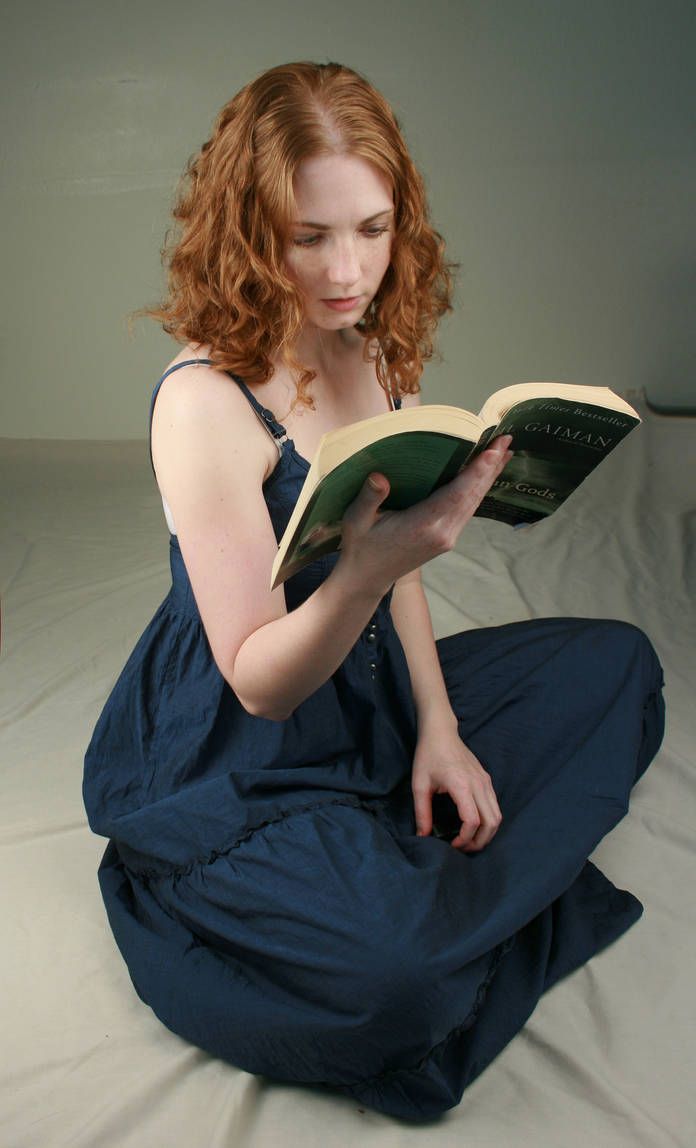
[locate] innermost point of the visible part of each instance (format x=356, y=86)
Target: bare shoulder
x=196, y=394
x=200, y=414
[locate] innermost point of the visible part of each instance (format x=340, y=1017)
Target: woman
x=341, y=854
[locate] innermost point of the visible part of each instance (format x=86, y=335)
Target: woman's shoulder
x=192, y=357
x=195, y=389
x=203, y=403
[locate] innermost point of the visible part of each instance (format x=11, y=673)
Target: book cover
x=557, y=443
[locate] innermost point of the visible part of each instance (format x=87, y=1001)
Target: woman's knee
x=624, y=646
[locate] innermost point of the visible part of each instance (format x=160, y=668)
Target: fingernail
x=376, y=486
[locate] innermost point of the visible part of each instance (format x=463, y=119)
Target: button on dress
x=264, y=881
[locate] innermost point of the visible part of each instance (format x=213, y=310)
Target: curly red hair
x=228, y=286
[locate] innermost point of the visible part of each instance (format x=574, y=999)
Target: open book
x=560, y=433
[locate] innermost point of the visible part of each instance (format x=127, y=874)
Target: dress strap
x=394, y=402
x=274, y=428
x=268, y=419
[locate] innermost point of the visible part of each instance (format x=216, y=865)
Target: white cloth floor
x=607, y=1058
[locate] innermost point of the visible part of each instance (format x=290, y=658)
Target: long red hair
x=228, y=287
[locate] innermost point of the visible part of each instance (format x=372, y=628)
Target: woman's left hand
x=444, y=764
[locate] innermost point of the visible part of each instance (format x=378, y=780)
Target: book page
x=497, y=406
x=339, y=444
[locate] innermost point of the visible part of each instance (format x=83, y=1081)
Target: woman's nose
x=344, y=264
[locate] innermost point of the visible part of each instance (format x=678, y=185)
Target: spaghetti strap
x=268, y=419
x=274, y=428
x=395, y=402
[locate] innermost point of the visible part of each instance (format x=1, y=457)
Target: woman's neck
x=327, y=352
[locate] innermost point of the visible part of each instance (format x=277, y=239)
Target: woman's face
x=340, y=243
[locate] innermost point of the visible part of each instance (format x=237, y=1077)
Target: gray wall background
x=556, y=137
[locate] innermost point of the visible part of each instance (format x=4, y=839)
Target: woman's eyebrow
x=326, y=226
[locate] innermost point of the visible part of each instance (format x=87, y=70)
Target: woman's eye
x=314, y=240
x=306, y=240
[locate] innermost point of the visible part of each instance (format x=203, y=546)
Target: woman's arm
x=411, y=616
x=211, y=458
x=442, y=762
x=291, y=656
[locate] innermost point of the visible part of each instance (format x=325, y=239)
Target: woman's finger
x=476, y=479
x=469, y=815
x=474, y=836
x=423, y=810
x=459, y=499
x=363, y=510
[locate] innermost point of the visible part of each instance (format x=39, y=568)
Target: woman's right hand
x=380, y=547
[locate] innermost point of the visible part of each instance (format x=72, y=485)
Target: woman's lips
x=343, y=304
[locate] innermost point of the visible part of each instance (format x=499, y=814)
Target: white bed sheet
x=608, y=1056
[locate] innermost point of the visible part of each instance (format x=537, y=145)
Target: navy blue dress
x=264, y=881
